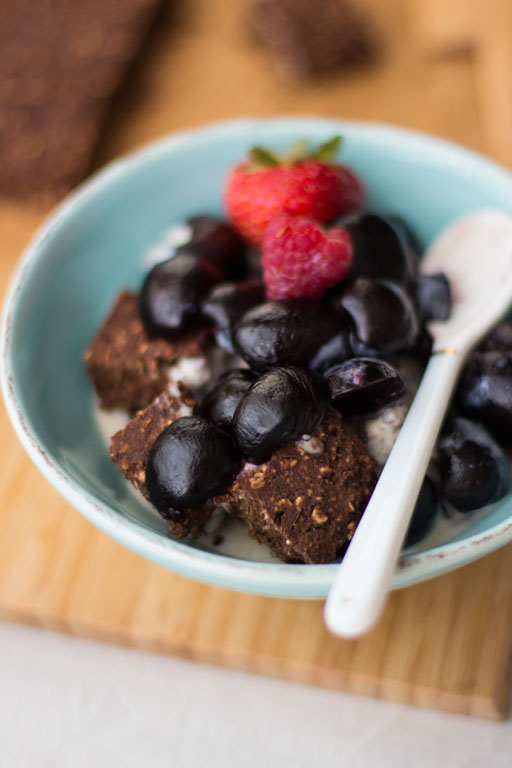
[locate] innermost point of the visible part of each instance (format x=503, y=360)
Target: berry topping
x=424, y=513
x=172, y=292
x=215, y=240
x=334, y=351
x=282, y=405
x=485, y=391
x=190, y=461
x=225, y=305
x=473, y=469
x=301, y=259
x=499, y=340
x=380, y=247
x=364, y=385
x=299, y=184
x=434, y=297
x=286, y=332
x=383, y=316
x=221, y=401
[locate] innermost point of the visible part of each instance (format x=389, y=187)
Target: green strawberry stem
x=261, y=158
x=297, y=152
x=327, y=151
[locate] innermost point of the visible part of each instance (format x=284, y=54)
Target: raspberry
x=301, y=259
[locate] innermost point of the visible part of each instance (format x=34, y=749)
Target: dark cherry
x=364, y=385
x=225, y=305
x=221, y=400
x=189, y=462
x=407, y=234
x=172, y=292
x=334, y=351
x=499, y=340
x=422, y=349
x=381, y=248
x=424, y=514
x=485, y=391
x=215, y=240
x=473, y=469
x=433, y=296
x=282, y=405
x=384, y=319
x=286, y=332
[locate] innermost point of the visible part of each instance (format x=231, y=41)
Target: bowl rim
x=270, y=579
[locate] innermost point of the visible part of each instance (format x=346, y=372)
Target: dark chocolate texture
x=306, y=501
x=127, y=366
x=60, y=63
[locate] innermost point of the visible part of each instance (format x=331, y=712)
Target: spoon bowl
x=475, y=253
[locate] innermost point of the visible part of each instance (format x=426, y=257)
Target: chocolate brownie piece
x=130, y=448
x=60, y=63
x=307, y=38
x=128, y=367
x=306, y=501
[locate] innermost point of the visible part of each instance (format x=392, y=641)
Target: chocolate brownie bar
x=306, y=501
x=128, y=367
x=307, y=38
x=130, y=448
x=60, y=63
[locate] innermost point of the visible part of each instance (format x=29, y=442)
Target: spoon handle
x=359, y=590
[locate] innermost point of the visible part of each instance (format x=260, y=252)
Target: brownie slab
x=127, y=366
x=131, y=446
x=306, y=38
x=306, y=501
x=60, y=63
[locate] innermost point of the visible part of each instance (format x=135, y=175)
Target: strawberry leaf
x=327, y=151
x=260, y=156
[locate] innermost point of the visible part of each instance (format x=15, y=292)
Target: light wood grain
x=445, y=643
x=485, y=32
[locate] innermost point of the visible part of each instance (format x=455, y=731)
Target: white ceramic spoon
x=476, y=254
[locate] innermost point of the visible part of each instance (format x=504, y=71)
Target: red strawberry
x=300, y=184
x=301, y=259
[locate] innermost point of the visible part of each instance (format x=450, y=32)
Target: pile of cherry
x=304, y=355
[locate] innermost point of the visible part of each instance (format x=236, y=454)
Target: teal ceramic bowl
x=91, y=247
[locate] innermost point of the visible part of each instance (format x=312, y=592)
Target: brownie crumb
x=127, y=366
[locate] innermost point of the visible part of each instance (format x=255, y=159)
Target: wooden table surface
x=444, y=68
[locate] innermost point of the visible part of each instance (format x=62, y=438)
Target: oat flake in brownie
x=128, y=367
x=306, y=501
x=130, y=448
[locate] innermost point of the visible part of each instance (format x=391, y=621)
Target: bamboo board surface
x=445, y=643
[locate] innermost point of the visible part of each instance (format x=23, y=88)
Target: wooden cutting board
x=445, y=643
